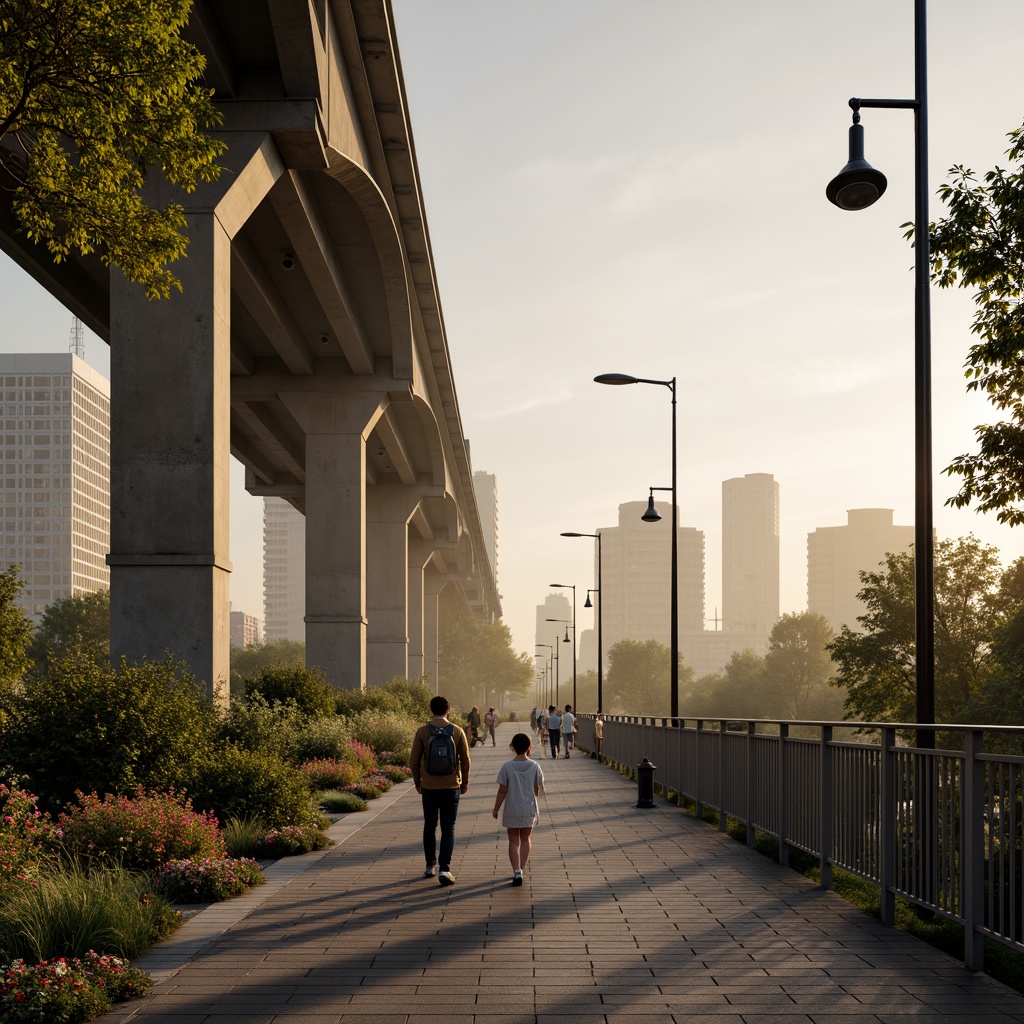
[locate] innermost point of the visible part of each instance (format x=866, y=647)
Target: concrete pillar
x=420, y=553
x=433, y=583
x=170, y=453
x=336, y=426
x=389, y=509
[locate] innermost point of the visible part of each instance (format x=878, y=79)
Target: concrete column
x=420, y=553
x=433, y=583
x=336, y=426
x=170, y=453
x=389, y=509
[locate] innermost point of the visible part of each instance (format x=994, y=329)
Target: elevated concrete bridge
x=308, y=342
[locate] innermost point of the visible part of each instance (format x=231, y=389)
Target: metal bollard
x=645, y=784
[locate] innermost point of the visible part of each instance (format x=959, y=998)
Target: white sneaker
x=446, y=878
x=431, y=871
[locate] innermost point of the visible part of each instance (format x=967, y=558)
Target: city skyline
x=589, y=214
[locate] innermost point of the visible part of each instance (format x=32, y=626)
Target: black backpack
x=441, y=750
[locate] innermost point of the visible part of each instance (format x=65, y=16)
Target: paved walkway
x=626, y=917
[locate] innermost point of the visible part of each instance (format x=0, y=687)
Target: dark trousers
x=554, y=735
x=443, y=804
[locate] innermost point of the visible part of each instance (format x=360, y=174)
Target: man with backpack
x=440, y=772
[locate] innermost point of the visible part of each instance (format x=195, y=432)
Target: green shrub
x=307, y=687
x=293, y=839
x=395, y=772
x=68, y=991
x=68, y=912
x=86, y=727
x=323, y=738
x=393, y=757
x=139, y=832
x=389, y=731
x=407, y=697
x=323, y=774
x=206, y=881
x=237, y=783
x=334, y=801
x=365, y=790
x=255, y=724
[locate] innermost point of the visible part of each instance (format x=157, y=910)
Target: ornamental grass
x=334, y=801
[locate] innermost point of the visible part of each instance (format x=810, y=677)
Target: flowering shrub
x=363, y=789
x=379, y=781
x=364, y=755
x=141, y=832
x=395, y=772
x=324, y=773
x=392, y=757
x=67, y=991
x=24, y=833
x=206, y=881
x=384, y=731
x=292, y=839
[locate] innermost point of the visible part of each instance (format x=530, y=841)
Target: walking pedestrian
x=534, y=728
x=598, y=735
x=542, y=725
x=491, y=720
x=568, y=729
x=440, y=773
x=554, y=729
x=519, y=784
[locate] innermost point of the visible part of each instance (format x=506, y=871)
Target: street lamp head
x=566, y=585
x=575, y=535
x=858, y=185
x=651, y=515
x=588, y=603
x=616, y=378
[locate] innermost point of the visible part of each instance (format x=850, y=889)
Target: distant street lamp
x=566, y=586
x=600, y=606
x=623, y=378
x=547, y=667
x=856, y=187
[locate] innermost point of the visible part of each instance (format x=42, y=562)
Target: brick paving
x=626, y=917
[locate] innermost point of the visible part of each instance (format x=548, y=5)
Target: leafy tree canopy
x=798, y=667
x=15, y=631
x=980, y=244
x=876, y=663
x=737, y=692
x=78, y=623
x=638, y=680
x=93, y=94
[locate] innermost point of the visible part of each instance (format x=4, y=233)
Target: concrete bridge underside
x=308, y=342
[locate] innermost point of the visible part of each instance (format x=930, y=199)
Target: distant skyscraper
x=636, y=577
x=750, y=553
x=836, y=556
x=485, y=486
x=284, y=571
x=56, y=452
x=245, y=629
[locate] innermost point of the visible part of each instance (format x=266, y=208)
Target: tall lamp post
x=623, y=378
x=566, y=586
x=856, y=187
x=588, y=604
x=547, y=659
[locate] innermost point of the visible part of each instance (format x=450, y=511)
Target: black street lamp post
x=600, y=606
x=566, y=586
x=623, y=378
x=856, y=187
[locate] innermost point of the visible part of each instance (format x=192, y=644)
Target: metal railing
x=942, y=828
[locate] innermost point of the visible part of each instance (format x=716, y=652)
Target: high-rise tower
x=56, y=452
x=284, y=571
x=485, y=487
x=750, y=553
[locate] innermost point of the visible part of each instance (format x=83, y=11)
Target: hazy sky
x=640, y=188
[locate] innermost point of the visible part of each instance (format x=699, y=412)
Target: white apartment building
x=284, y=571
x=485, y=487
x=56, y=475
x=750, y=554
x=245, y=629
x=837, y=555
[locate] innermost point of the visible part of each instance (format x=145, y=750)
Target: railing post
x=825, y=809
x=698, y=808
x=783, y=794
x=972, y=839
x=723, y=818
x=887, y=826
x=751, y=780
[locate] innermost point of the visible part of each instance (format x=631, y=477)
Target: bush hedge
x=307, y=687
x=325, y=738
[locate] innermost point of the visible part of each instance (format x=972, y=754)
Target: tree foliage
x=798, y=666
x=876, y=663
x=638, y=680
x=79, y=623
x=15, y=631
x=980, y=244
x=476, y=661
x=93, y=94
